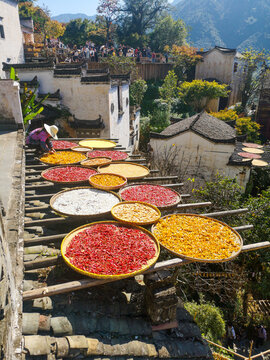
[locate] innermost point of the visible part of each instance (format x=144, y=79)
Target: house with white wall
x=97, y=100
x=11, y=38
x=224, y=66
x=201, y=146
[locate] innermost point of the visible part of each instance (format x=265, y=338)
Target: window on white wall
x=120, y=100
x=2, y=33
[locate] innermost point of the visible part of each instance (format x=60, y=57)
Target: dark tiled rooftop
x=202, y=124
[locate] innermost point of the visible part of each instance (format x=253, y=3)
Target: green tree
x=168, y=32
x=254, y=67
x=198, y=93
x=209, y=318
x=109, y=10
x=137, y=17
x=185, y=58
x=121, y=65
x=77, y=32
x=168, y=90
x=137, y=90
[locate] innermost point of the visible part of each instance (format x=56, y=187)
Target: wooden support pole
x=46, y=222
x=193, y=205
x=86, y=283
x=229, y=351
x=227, y=212
x=44, y=239
x=42, y=263
x=55, y=238
x=37, y=208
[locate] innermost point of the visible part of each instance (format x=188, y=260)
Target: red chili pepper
x=62, y=145
x=152, y=194
x=110, y=249
x=69, y=174
x=113, y=154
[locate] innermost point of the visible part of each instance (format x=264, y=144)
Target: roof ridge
x=196, y=119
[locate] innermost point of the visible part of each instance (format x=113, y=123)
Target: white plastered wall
x=120, y=126
x=10, y=104
x=11, y=46
x=199, y=156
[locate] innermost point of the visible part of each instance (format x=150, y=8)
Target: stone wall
x=10, y=104
x=11, y=259
x=11, y=45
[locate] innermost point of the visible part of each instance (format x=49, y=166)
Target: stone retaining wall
x=11, y=260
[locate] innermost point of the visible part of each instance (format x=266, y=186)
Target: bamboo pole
x=229, y=351
x=86, y=283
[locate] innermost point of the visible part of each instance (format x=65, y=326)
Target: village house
x=222, y=65
x=11, y=38
x=97, y=101
x=204, y=146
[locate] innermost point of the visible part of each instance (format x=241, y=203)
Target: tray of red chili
x=110, y=250
x=157, y=195
x=70, y=174
x=63, y=144
x=115, y=155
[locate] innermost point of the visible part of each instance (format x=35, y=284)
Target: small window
x=235, y=67
x=2, y=33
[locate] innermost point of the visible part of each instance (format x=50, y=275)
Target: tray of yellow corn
x=198, y=238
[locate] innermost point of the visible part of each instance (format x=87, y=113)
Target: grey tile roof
x=104, y=324
x=202, y=124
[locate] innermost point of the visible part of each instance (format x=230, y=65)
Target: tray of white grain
x=84, y=201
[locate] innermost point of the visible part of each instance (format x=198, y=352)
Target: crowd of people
x=93, y=53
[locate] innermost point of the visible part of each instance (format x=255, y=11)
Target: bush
x=209, y=318
x=247, y=126
x=225, y=115
x=159, y=120
x=152, y=93
x=144, y=133
x=137, y=91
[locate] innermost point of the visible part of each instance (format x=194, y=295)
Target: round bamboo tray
x=142, y=223
x=86, y=216
x=97, y=143
x=108, y=188
x=159, y=207
x=71, y=163
x=65, y=182
x=66, y=241
x=109, y=160
x=110, y=153
x=233, y=256
x=81, y=149
x=55, y=142
x=121, y=164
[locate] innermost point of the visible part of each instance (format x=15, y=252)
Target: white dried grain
x=85, y=202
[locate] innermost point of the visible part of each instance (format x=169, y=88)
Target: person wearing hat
x=41, y=138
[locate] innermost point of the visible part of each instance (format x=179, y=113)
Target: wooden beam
x=86, y=283
x=44, y=240
x=243, y=227
x=46, y=222
x=227, y=212
x=42, y=263
x=173, y=185
x=37, y=208
x=193, y=205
